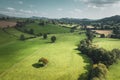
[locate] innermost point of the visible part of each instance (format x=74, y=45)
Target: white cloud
x=92, y=6
x=26, y=11
x=10, y=9
x=20, y=2
x=78, y=10
x=60, y=9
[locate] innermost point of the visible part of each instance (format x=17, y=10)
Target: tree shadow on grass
x=37, y=65
x=88, y=67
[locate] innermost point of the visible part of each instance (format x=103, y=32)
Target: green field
x=18, y=57
x=48, y=28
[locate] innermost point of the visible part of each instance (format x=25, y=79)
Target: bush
x=45, y=36
x=31, y=31
x=99, y=72
x=22, y=37
x=43, y=60
x=53, y=39
x=102, y=35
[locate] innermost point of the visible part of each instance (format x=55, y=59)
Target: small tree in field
x=31, y=31
x=43, y=61
x=22, y=37
x=45, y=36
x=53, y=39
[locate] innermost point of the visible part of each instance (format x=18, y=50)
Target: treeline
x=101, y=58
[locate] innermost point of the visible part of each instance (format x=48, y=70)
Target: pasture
x=18, y=58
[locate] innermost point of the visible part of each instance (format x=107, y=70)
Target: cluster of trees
x=98, y=55
x=90, y=35
x=116, y=32
x=101, y=58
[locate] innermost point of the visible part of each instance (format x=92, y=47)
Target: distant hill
x=35, y=17
x=112, y=18
x=2, y=15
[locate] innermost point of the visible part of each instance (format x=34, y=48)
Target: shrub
x=43, y=60
x=45, y=36
x=31, y=31
x=99, y=72
x=102, y=35
x=53, y=39
x=22, y=37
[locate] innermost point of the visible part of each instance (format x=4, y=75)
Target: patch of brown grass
x=106, y=32
x=4, y=24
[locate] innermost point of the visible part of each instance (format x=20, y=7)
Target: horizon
x=79, y=9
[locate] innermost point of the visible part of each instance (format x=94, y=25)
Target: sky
x=92, y=9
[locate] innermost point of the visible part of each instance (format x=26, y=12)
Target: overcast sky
x=93, y=9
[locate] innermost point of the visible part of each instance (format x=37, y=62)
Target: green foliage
x=22, y=37
x=31, y=31
x=89, y=35
x=102, y=35
x=44, y=36
x=99, y=72
x=53, y=39
x=43, y=60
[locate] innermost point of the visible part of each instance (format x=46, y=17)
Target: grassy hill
x=10, y=34
x=48, y=28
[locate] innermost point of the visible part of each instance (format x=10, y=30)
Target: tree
x=45, y=36
x=43, y=61
x=31, y=31
x=99, y=72
x=89, y=35
x=53, y=39
x=22, y=37
x=102, y=35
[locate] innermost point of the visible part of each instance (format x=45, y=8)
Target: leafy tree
x=53, y=39
x=43, y=61
x=89, y=35
x=102, y=35
x=45, y=36
x=99, y=72
x=22, y=37
x=31, y=31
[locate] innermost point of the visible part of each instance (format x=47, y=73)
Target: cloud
x=77, y=10
x=60, y=9
x=99, y=3
x=25, y=11
x=102, y=2
x=10, y=9
x=20, y=2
